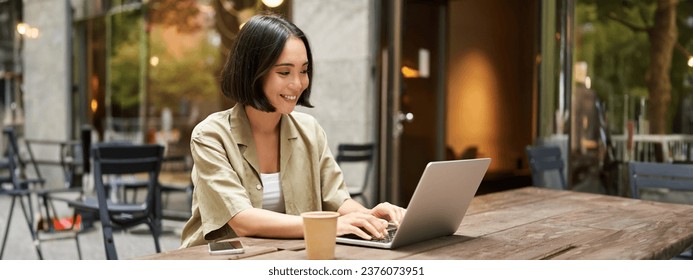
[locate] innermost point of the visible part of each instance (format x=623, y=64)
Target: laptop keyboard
x=388, y=238
x=391, y=230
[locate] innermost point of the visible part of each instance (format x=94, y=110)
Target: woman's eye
x=304, y=72
x=283, y=73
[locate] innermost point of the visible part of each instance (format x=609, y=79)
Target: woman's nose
x=298, y=83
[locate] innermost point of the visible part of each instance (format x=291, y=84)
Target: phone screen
x=226, y=247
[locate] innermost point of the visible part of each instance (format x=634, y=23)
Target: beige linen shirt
x=227, y=179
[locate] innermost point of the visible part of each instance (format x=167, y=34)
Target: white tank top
x=272, y=198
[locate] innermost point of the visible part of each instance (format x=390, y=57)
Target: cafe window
x=645, y=80
x=148, y=71
x=631, y=75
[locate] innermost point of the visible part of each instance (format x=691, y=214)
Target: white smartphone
x=226, y=247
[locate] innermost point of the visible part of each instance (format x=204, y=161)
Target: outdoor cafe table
x=525, y=223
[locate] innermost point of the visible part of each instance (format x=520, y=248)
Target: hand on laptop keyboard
x=364, y=225
x=390, y=212
x=391, y=229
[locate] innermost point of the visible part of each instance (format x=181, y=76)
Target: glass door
x=412, y=95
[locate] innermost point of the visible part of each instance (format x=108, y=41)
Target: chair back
x=656, y=175
x=15, y=164
x=544, y=159
x=110, y=159
x=357, y=153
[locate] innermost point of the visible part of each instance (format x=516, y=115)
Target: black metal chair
x=357, y=153
x=14, y=173
x=134, y=186
x=669, y=177
x=544, y=159
x=18, y=168
x=121, y=160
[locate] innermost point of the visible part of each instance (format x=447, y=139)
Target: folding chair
x=136, y=160
x=25, y=186
x=21, y=185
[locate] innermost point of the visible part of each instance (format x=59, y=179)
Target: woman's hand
x=387, y=211
x=362, y=224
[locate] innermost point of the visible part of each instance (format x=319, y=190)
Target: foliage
x=186, y=75
x=125, y=71
x=611, y=36
x=180, y=14
x=190, y=76
x=176, y=78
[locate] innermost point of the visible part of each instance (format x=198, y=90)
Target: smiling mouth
x=289, y=97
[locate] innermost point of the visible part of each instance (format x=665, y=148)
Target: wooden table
x=526, y=223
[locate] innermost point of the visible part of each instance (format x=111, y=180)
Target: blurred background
x=607, y=81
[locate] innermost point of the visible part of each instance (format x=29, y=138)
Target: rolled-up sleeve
x=218, y=187
x=217, y=175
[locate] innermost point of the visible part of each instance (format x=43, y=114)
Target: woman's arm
x=350, y=206
x=264, y=223
x=353, y=219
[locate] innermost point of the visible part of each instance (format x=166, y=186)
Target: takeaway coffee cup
x=320, y=234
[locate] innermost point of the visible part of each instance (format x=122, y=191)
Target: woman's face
x=288, y=78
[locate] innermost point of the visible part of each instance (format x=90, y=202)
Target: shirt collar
x=240, y=129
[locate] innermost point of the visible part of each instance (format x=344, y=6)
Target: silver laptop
x=438, y=205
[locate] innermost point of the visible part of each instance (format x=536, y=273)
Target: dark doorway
x=422, y=88
x=463, y=87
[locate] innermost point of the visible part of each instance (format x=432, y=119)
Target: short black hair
x=255, y=51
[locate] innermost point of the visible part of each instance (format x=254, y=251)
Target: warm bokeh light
x=409, y=72
x=690, y=61
x=154, y=61
x=94, y=105
x=473, y=104
x=33, y=33
x=27, y=31
x=22, y=28
x=272, y=3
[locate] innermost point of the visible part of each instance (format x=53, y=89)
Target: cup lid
x=320, y=214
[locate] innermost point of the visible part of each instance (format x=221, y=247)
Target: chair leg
x=79, y=251
x=7, y=228
x=30, y=223
x=74, y=220
x=155, y=228
x=109, y=245
x=47, y=208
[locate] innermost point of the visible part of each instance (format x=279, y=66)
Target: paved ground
x=129, y=244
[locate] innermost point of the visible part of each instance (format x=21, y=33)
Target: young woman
x=259, y=164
